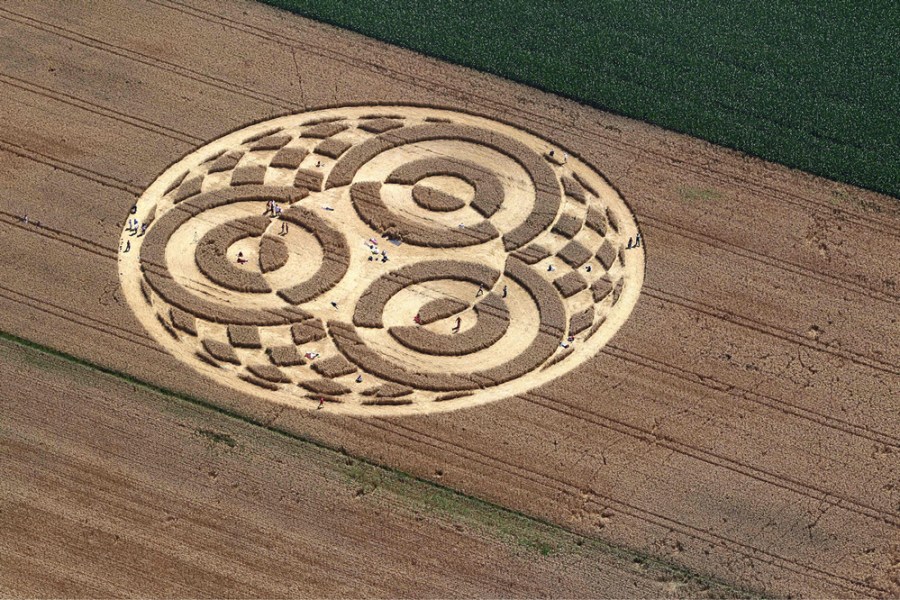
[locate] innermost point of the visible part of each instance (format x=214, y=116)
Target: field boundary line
x=175, y=396
x=352, y=61
x=875, y=293
x=71, y=315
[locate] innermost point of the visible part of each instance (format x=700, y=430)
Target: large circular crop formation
x=381, y=260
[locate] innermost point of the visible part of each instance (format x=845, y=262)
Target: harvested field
x=241, y=514
x=741, y=423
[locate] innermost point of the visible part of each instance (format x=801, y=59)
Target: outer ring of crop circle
x=129, y=263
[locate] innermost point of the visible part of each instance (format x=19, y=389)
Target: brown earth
x=742, y=423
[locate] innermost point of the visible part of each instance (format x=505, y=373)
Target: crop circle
x=381, y=260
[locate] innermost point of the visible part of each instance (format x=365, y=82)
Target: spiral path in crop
x=420, y=260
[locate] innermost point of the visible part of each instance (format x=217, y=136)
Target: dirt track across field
x=743, y=421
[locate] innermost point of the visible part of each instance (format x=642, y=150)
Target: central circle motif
x=381, y=260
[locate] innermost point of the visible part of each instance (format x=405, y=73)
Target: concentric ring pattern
x=381, y=260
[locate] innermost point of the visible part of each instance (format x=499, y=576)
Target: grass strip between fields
x=525, y=531
x=815, y=87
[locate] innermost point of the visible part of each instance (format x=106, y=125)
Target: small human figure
x=284, y=228
x=504, y=291
x=312, y=355
x=571, y=338
x=143, y=230
x=268, y=207
x=458, y=325
x=417, y=319
x=359, y=379
x=564, y=345
x=134, y=229
x=328, y=208
x=565, y=157
x=277, y=209
x=318, y=163
x=589, y=268
x=24, y=218
x=629, y=246
x=637, y=241
x=127, y=245
x=480, y=291
x=321, y=403
x=134, y=209
x=240, y=259
x=384, y=256
x=552, y=153
x=550, y=268
x=334, y=304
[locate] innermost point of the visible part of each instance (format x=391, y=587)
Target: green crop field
x=814, y=86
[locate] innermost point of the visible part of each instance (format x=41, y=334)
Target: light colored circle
x=510, y=264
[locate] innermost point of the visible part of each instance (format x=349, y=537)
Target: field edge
x=521, y=529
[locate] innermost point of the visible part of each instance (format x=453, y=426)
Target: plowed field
x=741, y=423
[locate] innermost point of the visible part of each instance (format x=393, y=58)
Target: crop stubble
x=742, y=423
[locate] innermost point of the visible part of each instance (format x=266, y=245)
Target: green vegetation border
x=812, y=86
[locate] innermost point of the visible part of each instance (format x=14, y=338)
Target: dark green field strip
x=814, y=87
x=418, y=495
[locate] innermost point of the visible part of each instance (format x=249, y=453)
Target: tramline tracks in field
x=68, y=167
x=740, y=393
x=640, y=432
x=631, y=430
x=658, y=294
x=554, y=484
x=96, y=109
x=771, y=330
x=13, y=220
x=714, y=242
x=717, y=460
x=145, y=60
x=536, y=118
x=856, y=287
x=771, y=261
x=141, y=338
